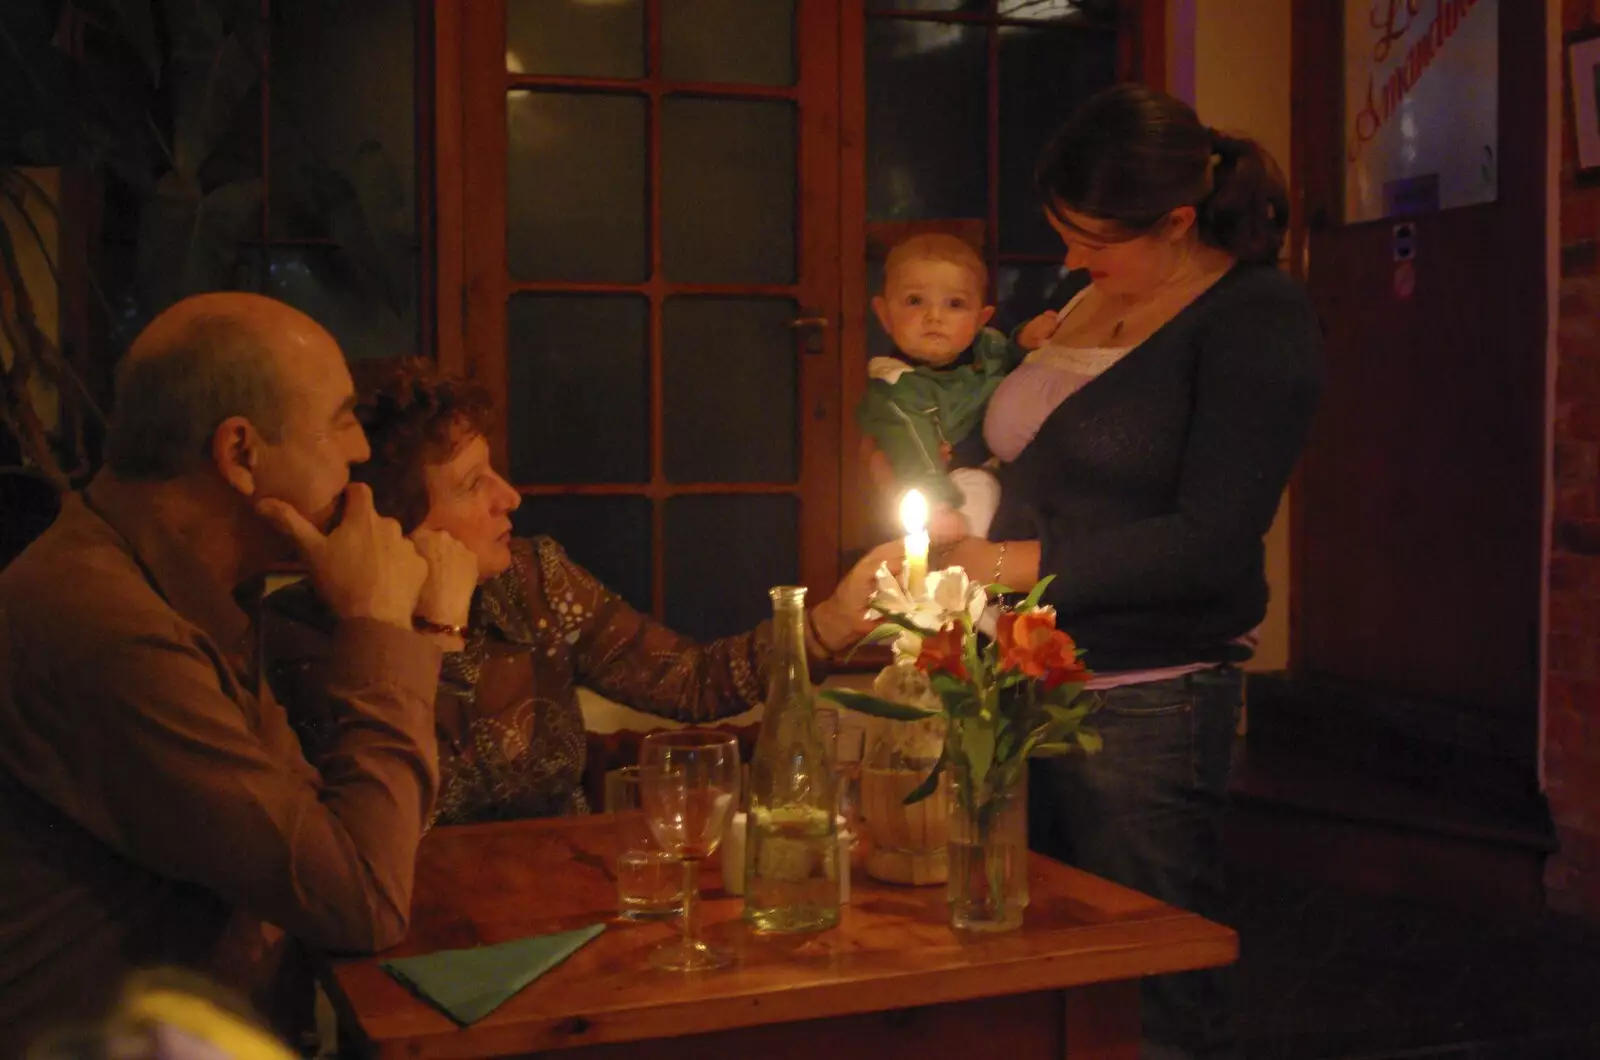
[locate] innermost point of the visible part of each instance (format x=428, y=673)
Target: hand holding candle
x=914, y=516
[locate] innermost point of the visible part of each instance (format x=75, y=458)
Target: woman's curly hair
x=414, y=416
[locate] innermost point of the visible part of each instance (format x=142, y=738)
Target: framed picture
x=1583, y=68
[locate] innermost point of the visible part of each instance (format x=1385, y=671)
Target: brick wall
x=1572, y=678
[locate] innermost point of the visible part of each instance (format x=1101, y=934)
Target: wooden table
x=893, y=980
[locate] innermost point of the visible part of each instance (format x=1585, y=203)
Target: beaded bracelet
x=999, y=561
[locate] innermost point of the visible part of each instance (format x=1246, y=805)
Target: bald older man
x=155, y=807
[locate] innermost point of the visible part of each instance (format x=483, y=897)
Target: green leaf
x=1038, y=591
x=1035, y=738
x=1091, y=741
x=905, y=620
x=1005, y=744
x=1067, y=695
x=886, y=631
x=879, y=634
x=1066, y=715
x=977, y=744
x=955, y=694
x=1009, y=679
x=862, y=703
x=1005, y=774
x=996, y=589
x=929, y=785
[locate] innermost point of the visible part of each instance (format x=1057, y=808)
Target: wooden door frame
x=1306, y=182
x=469, y=344
x=448, y=185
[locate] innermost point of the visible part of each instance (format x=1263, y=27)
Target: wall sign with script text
x=1421, y=112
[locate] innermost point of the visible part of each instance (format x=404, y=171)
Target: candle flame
x=914, y=512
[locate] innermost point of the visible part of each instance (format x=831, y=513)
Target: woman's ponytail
x=1247, y=211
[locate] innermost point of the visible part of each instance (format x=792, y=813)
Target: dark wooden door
x=1419, y=507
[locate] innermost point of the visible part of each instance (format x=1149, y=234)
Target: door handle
x=813, y=322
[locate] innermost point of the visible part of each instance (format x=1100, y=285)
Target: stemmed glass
x=687, y=781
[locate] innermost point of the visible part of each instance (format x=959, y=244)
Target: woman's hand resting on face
x=446, y=598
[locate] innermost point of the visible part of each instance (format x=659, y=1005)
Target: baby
x=931, y=395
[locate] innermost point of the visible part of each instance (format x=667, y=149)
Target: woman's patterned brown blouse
x=511, y=737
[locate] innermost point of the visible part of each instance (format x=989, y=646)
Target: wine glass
x=846, y=744
x=687, y=781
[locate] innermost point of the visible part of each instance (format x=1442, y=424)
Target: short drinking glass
x=649, y=880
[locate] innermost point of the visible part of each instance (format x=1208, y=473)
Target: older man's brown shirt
x=154, y=807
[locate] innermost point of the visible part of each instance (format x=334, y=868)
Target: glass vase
x=988, y=882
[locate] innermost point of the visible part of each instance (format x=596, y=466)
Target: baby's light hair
x=937, y=246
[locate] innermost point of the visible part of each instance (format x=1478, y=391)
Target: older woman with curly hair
x=511, y=736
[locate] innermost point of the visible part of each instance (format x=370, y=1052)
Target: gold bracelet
x=999, y=561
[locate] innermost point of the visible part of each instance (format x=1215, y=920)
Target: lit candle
x=914, y=515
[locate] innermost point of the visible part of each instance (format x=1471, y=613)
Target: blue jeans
x=1147, y=812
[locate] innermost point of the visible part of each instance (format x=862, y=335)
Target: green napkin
x=470, y=984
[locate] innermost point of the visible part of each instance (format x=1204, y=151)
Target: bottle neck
x=789, y=670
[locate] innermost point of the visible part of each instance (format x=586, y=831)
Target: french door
x=649, y=224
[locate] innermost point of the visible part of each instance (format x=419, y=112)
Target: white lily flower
x=907, y=646
x=892, y=598
x=891, y=595
x=953, y=592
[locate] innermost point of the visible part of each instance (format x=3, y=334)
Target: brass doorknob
x=813, y=322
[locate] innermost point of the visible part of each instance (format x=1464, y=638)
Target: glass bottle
x=792, y=840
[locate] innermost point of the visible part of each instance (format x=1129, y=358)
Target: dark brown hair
x=414, y=417
x=1131, y=155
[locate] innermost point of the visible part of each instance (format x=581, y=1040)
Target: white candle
x=914, y=515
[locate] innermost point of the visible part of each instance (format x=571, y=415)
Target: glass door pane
x=578, y=359
x=577, y=38
x=926, y=121
x=730, y=384
x=729, y=40
x=727, y=190
x=577, y=169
